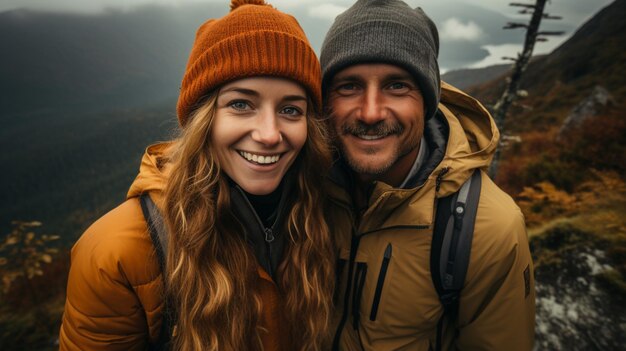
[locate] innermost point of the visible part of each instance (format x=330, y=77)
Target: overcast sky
x=470, y=30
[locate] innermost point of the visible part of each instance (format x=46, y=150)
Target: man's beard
x=380, y=129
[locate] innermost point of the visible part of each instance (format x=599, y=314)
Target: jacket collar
x=436, y=136
x=269, y=253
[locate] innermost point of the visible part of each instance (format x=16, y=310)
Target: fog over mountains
x=93, y=62
x=128, y=58
x=81, y=95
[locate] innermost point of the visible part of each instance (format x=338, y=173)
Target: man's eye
x=347, y=87
x=239, y=105
x=397, y=85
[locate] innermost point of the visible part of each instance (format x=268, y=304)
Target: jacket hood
x=153, y=172
x=472, y=141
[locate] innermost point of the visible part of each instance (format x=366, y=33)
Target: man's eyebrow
x=347, y=78
x=391, y=76
x=398, y=76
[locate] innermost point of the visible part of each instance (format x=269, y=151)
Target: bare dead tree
x=511, y=92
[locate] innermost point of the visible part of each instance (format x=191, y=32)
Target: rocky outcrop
x=590, y=107
x=577, y=306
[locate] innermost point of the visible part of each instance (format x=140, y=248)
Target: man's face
x=377, y=116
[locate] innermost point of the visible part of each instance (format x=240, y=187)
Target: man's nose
x=372, y=110
x=267, y=131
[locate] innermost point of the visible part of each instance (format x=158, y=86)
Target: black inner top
x=263, y=218
x=266, y=206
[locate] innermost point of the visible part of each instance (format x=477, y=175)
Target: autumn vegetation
x=33, y=271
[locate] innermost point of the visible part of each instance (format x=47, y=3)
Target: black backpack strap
x=158, y=234
x=451, y=246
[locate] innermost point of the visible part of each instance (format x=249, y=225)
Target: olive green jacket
x=385, y=296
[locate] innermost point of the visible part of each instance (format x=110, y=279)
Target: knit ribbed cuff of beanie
x=262, y=53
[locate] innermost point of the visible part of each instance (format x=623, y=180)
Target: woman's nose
x=267, y=131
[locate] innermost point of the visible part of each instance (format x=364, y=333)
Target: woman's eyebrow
x=294, y=98
x=241, y=91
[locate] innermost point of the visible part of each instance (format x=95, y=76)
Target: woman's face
x=259, y=128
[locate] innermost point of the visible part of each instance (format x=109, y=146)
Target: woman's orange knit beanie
x=254, y=39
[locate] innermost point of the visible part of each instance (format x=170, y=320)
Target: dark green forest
x=67, y=169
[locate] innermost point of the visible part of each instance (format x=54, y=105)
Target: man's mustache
x=381, y=128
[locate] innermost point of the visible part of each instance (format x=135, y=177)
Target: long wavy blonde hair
x=212, y=278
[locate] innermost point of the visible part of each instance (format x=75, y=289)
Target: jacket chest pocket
x=397, y=289
x=380, y=282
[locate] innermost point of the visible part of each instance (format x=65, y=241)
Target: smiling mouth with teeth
x=370, y=137
x=260, y=159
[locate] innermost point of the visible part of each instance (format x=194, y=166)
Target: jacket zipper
x=269, y=232
x=269, y=238
x=359, y=283
x=440, y=177
x=341, y=263
x=269, y=235
x=381, y=281
x=354, y=245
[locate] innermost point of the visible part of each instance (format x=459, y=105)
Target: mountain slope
x=465, y=78
x=571, y=186
x=594, y=55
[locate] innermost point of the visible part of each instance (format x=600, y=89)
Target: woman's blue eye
x=292, y=111
x=239, y=105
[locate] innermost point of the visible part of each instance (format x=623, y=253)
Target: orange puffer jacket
x=114, y=293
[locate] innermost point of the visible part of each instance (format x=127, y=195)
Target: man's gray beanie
x=385, y=31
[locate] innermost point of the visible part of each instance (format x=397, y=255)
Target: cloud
x=454, y=29
x=326, y=11
x=96, y=6
x=92, y=6
x=496, y=52
x=289, y=3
